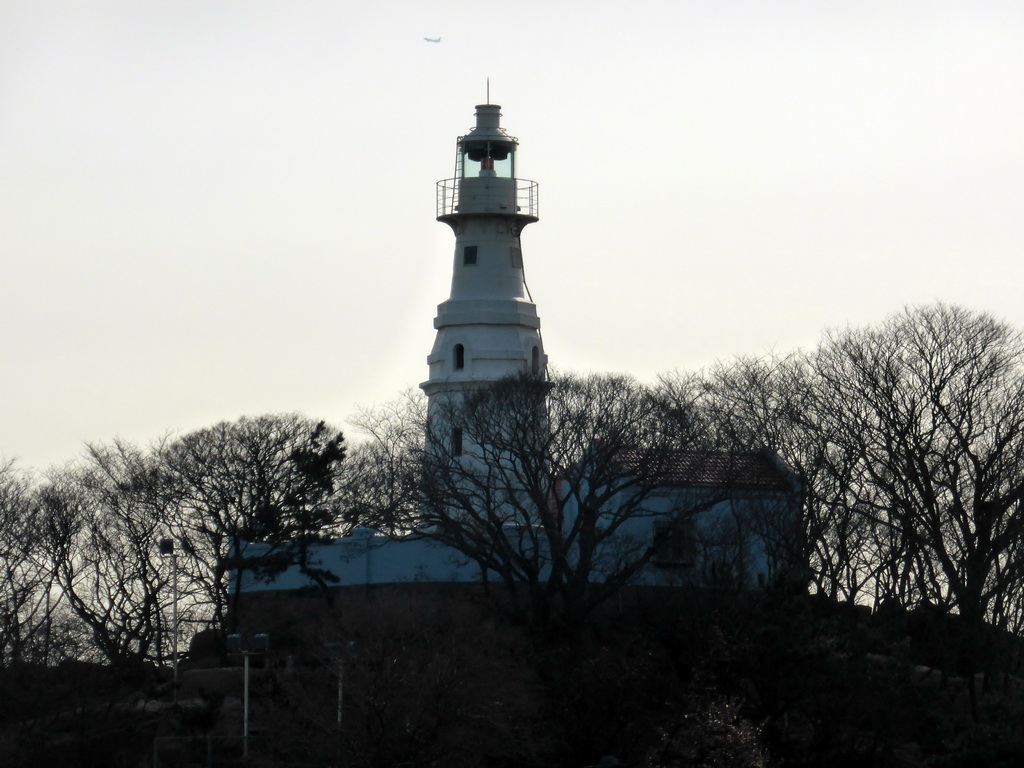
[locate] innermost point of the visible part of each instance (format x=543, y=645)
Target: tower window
x=457, y=441
x=460, y=357
x=517, y=257
x=469, y=255
x=535, y=361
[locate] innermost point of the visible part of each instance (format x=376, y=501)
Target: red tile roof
x=755, y=471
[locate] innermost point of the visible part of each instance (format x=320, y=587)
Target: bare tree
x=537, y=490
x=268, y=481
x=931, y=406
x=380, y=480
x=102, y=521
x=755, y=404
x=26, y=599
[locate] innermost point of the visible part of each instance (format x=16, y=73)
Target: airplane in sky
x=432, y=39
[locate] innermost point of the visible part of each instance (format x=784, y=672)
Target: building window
x=674, y=544
x=460, y=357
x=517, y=256
x=535, y=361
x=457, y=441
x=469, y=255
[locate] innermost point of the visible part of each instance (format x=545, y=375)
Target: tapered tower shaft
x=488, y=328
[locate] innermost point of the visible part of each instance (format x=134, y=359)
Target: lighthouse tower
x=488, y=328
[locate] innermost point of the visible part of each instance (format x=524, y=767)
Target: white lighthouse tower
x=488, y=328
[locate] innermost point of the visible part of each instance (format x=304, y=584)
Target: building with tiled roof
x=710, y=517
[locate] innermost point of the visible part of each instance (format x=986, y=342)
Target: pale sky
x=211, y=208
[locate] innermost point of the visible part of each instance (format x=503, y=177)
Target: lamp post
x=336, y=654
x=341, y=682
x=167, y=547
x=245, y=706
x=260, y=645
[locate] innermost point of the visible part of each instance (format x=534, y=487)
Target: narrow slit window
x=457, y=441
x=469, y=256
x=517, y=257
x=535, y=361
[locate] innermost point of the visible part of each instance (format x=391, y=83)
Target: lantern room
x=487, y=150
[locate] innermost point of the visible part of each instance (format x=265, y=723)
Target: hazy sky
x=211, y=208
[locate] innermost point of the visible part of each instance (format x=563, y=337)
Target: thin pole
x=245, y=706
x=341, y=677
x=174, y=621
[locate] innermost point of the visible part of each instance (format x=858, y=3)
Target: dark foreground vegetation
x=663, y=678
